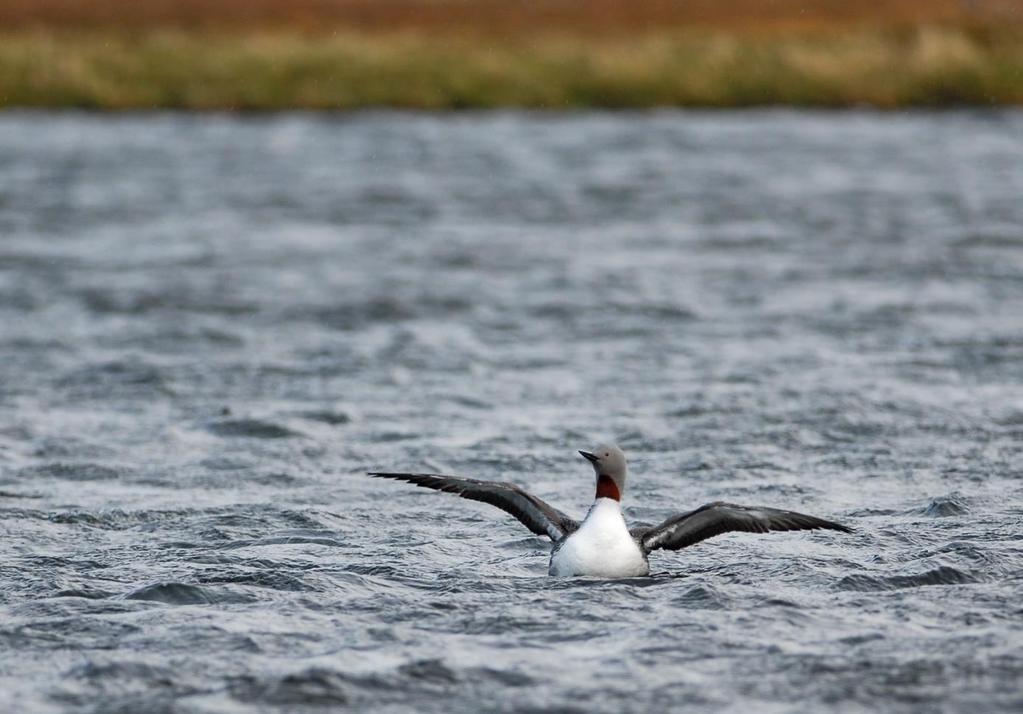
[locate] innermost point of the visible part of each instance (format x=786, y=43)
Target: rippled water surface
x=211, y=327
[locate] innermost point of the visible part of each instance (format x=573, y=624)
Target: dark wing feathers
x=539, y=517
x=714, y=519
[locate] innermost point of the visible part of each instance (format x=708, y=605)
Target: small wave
x=314, y=686
x=268, y=580
x=945, y=506
x=183, y=594
x=309, y=533
x=84, y=593
x=1010, y=418
x=250, y=428
x=662, y=312
x=275, y=478
x=779, y=602
x=385, y=570
x=72, y=472
x=853, y=640
x=225, y=463
x=943, y=575
x=84, y=518
x=471, y=402
x=864, y=512
x=501, y=677
x=326, y=540
x=15, y=494
x=990, y=239
x=140, y=302
x=120, y=377
x=124, y=672
x=701, y=597
x=67, y=446
x=387, y=437
x=387, y=310
x=174, y=340
x=428, y=670
x=326, y=417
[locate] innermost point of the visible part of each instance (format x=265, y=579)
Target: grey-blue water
x=211, y=327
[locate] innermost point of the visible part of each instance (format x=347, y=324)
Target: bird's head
x=608, y=463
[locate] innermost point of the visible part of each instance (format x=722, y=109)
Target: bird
x=603, y=545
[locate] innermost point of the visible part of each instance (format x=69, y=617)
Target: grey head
x=609, y=465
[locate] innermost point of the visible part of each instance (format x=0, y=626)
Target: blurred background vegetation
x=556, y=54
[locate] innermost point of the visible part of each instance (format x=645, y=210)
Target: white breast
x=602, y=546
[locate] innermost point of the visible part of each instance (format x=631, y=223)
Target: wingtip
x=395, y=475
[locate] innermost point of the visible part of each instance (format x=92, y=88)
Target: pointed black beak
x=589, y=457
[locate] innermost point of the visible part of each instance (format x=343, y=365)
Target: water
x=211, y=327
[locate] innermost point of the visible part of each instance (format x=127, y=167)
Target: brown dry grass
x=277, y=54
x=503, y=16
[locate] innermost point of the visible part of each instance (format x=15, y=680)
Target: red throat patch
x=606, y=488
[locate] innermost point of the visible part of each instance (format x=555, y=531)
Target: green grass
x=927, y=66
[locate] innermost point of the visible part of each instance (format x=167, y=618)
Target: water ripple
x=213, y=326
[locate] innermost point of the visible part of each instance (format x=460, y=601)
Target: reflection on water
x=211, y=327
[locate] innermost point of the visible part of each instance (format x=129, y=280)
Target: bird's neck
x=606, y=488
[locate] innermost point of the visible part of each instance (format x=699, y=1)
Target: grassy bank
x=285, y=68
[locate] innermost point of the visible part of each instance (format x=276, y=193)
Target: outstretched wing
x=714, y=519
x=534, y=514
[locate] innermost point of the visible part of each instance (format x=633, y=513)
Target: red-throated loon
x=603, y=545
